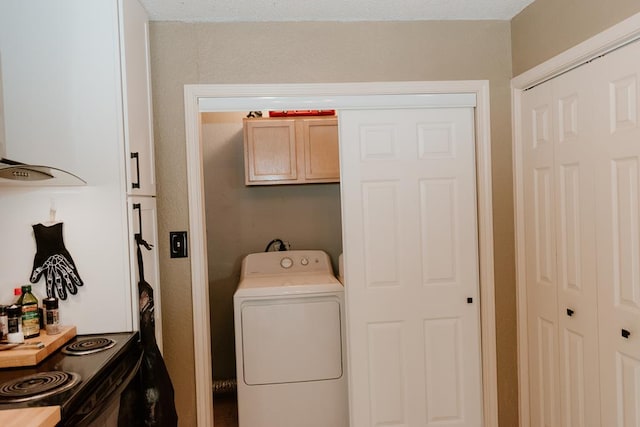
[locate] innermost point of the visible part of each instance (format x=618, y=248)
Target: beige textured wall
x=185, y=53
x=548, y=27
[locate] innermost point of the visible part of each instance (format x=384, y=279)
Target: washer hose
x=281, y=246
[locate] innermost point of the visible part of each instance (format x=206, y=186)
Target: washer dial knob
x=304, y=261
x=286, y=262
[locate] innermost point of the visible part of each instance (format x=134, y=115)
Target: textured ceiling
x=331, y=10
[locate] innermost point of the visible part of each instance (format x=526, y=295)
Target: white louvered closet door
x=409, y=219
x=617, y=82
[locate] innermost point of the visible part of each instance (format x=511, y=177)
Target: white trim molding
x=617, y=36
x=200, y=98
x=613, y=38
x=199, y=266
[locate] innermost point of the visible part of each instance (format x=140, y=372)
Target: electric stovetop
x=74, y=382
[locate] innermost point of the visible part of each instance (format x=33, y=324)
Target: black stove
x=86, y=374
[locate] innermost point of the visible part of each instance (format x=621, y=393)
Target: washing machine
x=290, y=341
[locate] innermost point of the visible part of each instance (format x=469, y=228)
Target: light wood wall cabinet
x=291, y=150
x=580, y=195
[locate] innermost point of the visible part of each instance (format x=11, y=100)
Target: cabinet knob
x=625, y=334
x=469, y=300
x=569, y=312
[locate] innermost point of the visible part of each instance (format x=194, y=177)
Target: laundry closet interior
x=244, y=219
x=410, y=215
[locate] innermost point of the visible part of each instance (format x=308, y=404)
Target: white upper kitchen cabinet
x=77, y=88
x=138, y=114
x=76, y=96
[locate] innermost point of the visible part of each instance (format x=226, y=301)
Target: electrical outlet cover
x=178, y=244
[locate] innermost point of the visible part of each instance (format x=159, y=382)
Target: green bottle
x=30, y=314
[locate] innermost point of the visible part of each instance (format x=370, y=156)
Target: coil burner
x=88, y=346
x=37, y=386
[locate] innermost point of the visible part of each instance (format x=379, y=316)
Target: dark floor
x=225, y=410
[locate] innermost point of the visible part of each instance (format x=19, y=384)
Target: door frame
x=611, y=39
x=376, y=95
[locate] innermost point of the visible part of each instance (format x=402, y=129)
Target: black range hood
x=17, y=173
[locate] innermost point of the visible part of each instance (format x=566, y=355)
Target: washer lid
x=289, y=284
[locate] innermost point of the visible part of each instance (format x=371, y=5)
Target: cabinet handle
x=139, y=208
x=138, y=236
x=137, y=183
x=625, y=334
x=569, y=312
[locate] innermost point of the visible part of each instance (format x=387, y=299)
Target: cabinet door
x=617, y=157
x=320, y=145
x=270, y=151
x=61, y=87
x=143, y=219
x=138, y=126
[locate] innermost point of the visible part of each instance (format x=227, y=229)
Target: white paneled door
x=560, y=249
x=410, y=230
x=617, y=154
x=576, y=251
x=580, y=145
x=540, y=249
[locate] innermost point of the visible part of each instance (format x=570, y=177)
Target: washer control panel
x=287, y=262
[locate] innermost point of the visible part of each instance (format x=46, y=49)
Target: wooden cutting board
x=18, y=357
x=46, y=416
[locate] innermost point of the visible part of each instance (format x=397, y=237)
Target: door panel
x=444, y=371
x=439, y=241
x=574, y=378
x=573, y=97
x=544, y=227
x=409, y=219
x=320, y=140
x=540, y=253
x=271, y=150
x=617, y=156
x=380, y=219
x=561, y=251
x=628, y=396
x=547, y=372
x=387, y=373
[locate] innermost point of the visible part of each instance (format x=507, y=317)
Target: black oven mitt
x=54, y=262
